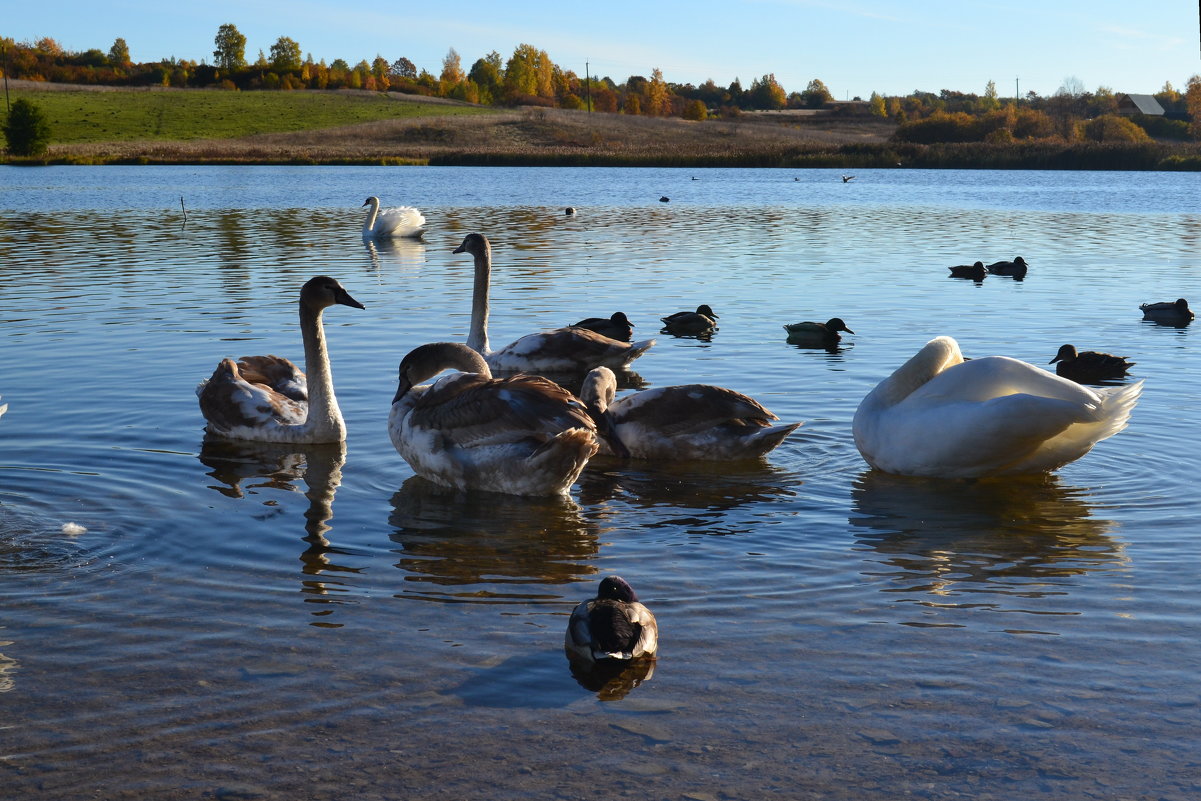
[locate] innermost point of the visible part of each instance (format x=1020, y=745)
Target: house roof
x=1146, y=104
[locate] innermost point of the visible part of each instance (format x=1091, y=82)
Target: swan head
x=1066, y=353
x=615, y=588
x=475, y=244
x=426, y=361
x=372, y=201
x=322, y=292
x=599, y=389
x=836, y=324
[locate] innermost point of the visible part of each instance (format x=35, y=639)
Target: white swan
x=268, y=398
x=614, y=625
x=944, y=417
x=562, y=350
x=690, y=421
x=398, y=221
x=523, y=435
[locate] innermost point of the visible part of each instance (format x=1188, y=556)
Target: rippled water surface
x=237, y=621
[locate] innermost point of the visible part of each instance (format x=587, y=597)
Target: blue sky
x=854, y=46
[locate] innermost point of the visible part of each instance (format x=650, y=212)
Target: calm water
x=244, y=623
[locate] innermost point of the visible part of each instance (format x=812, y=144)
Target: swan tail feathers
x=1117, y=407
x=563, y=457
x=768, y=439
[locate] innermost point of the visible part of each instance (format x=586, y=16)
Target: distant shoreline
x=396, y=130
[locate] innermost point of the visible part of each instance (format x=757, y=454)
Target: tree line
x=529, y=77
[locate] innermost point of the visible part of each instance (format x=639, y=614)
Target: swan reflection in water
x=1018, y=536
x=403, y=253
x=245, y=468
x=483, y=547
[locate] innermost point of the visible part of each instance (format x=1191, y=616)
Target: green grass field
x=92, y=116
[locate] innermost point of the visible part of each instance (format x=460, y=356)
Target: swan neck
x=369, y=225
x=477, y=337
x=324, y=415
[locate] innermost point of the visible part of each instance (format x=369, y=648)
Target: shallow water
x=244, y=621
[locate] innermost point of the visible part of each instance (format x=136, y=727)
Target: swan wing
x=230, y=402
x=566, y=350
x=472, y=411
x=688, y=407
x=399, y=221
x=276, y=372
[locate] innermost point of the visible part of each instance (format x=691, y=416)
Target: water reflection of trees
x=1020, y=536
x=243, y=467
x=478, y=547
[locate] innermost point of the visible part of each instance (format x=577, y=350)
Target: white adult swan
x=943, y=417
x=398, y=221
x=268, y=398
x=690, y=421
x=562, y=350
x=523, y=435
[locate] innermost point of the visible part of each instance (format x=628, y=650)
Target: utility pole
x=1017, y=93
x=588, y=85
x=4, y=48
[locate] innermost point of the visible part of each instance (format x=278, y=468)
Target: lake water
x=241, y=622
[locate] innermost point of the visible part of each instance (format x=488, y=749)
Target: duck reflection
x=243, y=468
x=611, y=681
x=403, y=253
x=482, y=547
x=1013, y=535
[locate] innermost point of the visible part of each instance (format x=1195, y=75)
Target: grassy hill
x=106, y=125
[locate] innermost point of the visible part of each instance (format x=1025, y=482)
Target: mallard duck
x=612, y=626
x=975, y=271
x=1089, y=367
x=690, y=421
x=561, y=350
x=268, y=398
x=1168, y=312
x=522, y=435
x=701, y=321
x=943, y=417
x=1015, y=268
x=823, y=335
x=398, y=221
x=618, y=326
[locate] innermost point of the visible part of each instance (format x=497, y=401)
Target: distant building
x=1129, y=105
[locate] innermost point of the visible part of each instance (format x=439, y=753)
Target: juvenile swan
x=943, y=417
x=614, y=625
x=523, y=435
x=398, y=221
x=562, y=350
x=268, y=398
x=690, y=421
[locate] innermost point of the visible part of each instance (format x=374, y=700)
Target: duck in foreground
x=268, y=398
x=617, y=326
x=561, y=350
x=689, y=421
x=1089, y=366
x=943, y=417
x=522, y=435
x=1176, y=312
x=975, y=271
x=396, y=222
x=701, y=321
x=822, y=335
x=612, y=626
x=1016, y=268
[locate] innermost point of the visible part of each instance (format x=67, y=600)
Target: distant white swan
x=941, y=416
x=561, y=350
x=523, y=435
x=690, y=421
x=268, y=398
x=398, y=221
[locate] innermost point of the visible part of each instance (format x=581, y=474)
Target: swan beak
x=345, y=299
x=402, y=389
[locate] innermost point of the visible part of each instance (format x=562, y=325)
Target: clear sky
x=854, y=46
